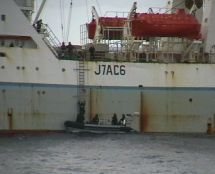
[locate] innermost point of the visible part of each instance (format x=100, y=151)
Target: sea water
x=107, y=154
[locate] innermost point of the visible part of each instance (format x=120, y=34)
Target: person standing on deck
x=122, y=121
x=114, y=120
x=70, y=49
x=63, y=49
x=95, y=119
x=92, y=52
x=39, y=24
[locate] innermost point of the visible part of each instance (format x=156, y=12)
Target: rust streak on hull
x=10, y=118
x=141, y=113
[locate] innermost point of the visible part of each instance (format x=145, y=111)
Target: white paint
x=208, y=25
x=50, y=68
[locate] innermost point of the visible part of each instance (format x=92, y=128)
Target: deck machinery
x=161, y=35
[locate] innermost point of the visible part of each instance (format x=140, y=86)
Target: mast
x=69, y=22
x=95, y=16
x=127, y=29
x=39, y=11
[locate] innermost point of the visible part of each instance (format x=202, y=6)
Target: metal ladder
x=51, y=39
x=81, y=91
x=81, y=80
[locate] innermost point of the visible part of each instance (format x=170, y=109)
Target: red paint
x=178, y=24
x=143, y=115
x=91, y=27
x=15, y=37
x=110, y=22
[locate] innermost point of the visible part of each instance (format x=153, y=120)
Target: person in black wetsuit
x=39, y=24
x=70, y=49
x=92, y=52
x=95, y=119
x=122, y=121
x=114, y=120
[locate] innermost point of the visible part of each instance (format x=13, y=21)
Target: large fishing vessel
x=156, y=67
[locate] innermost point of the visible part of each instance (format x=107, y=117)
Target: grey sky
x=81, y=12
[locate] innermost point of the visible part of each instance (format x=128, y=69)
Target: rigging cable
x=69, y=22
x=99, y=7
x=62, y=19
x=87, y=10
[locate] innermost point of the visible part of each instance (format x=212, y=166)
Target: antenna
x=69, y=22
x=39, y=11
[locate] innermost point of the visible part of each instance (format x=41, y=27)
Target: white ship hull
x=183, y=104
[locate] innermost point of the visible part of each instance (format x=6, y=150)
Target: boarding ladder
x=51, y=40
x=81, y=92
x=81, y=80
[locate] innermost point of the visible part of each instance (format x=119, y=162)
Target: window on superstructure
x=2, y=54
x=3, y=17
x=18, y=43
x=2, y=42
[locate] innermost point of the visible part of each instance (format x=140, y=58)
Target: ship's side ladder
x=81, y=80
x=81, y=91
x=51, y=40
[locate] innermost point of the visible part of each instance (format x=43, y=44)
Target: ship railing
x=98, y=56
x=141, y=57
x=48, y=33
x=147, y=55
x=210, y=58
x=116, y=14
x=161, y=10
x=50, y=39
x=106, y=119
x=212, y=54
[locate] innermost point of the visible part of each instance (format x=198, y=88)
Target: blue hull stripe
x=38, y=85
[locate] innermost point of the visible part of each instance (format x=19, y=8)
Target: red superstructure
x=111, y=27
x=178, y=24
x=91, y=27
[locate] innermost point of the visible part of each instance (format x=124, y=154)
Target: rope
x=99, y=7
x=87, y=10
x=69, y=22
x=62, y=18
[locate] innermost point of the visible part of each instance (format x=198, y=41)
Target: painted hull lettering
x=110, y=70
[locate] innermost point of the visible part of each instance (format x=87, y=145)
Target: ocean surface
x=66, y=153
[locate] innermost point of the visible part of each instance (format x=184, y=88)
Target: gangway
x=51, y=39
